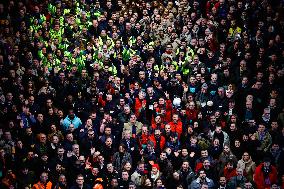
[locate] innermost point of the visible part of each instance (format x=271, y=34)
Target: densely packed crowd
x=141, y=94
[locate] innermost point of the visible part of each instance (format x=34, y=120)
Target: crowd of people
x=162, y=94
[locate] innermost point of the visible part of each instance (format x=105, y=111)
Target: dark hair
x=200, y=171
x=123, y=146
x=231, y=162
x=79, y=175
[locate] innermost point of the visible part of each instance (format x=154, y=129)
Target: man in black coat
x=80, y=183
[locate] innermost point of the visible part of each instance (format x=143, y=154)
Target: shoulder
x=66, y=118
x=241, y=161
x=127, y=154
x=273, y=169
x=139, y=124
x=135, y=174
x=208, y=180
x=258, y=168
x=116, y=154
x=196, y=181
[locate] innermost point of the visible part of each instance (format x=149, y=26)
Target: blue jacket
x=196, y=184
x=67, y=121
x=28, y=121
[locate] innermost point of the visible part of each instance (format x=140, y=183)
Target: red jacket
x=143, y=139
x=176, y=127
x=101, y=101
x=162, y=142
x=191, y=114
x=168, y=108
x=198, y=166
x=209, y=5
x=259, y=177
x=154, y=126
x=229, y=173
x=138, y=106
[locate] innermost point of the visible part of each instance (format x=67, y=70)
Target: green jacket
x=265, y=140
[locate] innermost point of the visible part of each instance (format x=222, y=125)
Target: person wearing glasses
x=80, y=183
x=43, y=182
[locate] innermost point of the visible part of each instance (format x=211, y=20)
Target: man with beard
x=43, y=182
x=207, y=167
x=158, y=140
x=164, y=109
x=140, y=105
x=90, y=141
x=62, y=183
x=71, y=119
x=233, y=132
x=202, y=180
x=221, y=135
x=124, y=180
x=25, y=178
x=203, y=156
x=237, y=181
x=56, y=172
x=110, y=174
x=133, y=126
x=186, y=174
x=124, y=116
x=165, y=165
x=93, y=175
x=222, y=183
x=140, y=175
x=151, y=97
x=176, y=125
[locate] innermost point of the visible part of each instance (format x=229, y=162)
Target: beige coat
x=128, y=126
x=248, y=167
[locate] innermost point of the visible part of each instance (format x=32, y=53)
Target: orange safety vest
x=40, y=185
x=98, y=186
